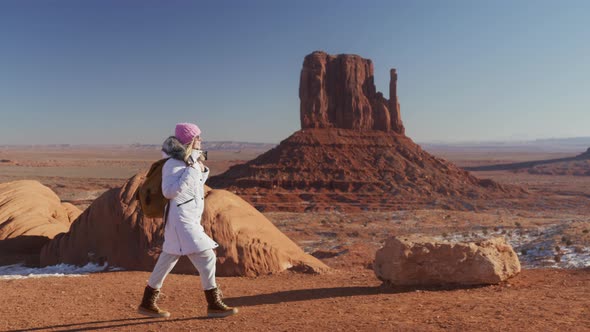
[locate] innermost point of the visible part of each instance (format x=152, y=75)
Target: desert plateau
x=307, y=232
x=549, y=294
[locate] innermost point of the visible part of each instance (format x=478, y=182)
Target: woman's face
x=197, y=143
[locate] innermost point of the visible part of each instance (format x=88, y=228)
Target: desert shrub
x=523, y=252
x=557, y=248
x=354, y=234
x=585, y=231
x=557, y=258
x=517, y=224
x=569, y=242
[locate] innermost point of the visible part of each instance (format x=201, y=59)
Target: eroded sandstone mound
x=351, y=153
x=30, y=215
x=422, y=261
x=112, y=229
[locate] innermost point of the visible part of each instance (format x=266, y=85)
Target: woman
x=183, y=183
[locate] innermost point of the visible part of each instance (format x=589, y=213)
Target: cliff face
x=339, y=92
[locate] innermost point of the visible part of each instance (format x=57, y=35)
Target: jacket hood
x=173, y=148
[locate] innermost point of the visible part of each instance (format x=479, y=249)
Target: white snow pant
x=204, y=261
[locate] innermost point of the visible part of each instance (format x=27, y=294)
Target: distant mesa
x=352, y=152
x=585, y=155
x=113, y=230
x=577, y=166
x=31, y=215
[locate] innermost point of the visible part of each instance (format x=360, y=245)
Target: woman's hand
x=196, y=143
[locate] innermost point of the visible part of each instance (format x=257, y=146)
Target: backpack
x=149, y=194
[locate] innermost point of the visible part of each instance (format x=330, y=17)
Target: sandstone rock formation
x=351, y=153
x=112, y=229
x=355, y=171
x=30, y=215
x=339, y=92
x=422, y=261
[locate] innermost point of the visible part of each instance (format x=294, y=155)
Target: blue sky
x=127, y=71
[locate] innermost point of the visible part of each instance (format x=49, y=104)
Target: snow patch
x=20, y=271
x=535, y=247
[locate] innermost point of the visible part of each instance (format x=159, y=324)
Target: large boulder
x=114, y=230
x=422, y=261
x=30, y=215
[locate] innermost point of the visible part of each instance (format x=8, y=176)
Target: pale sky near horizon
x=109, y=72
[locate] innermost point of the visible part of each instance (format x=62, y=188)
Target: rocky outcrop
x=326, y=169
x=30, y=215
x=249, y=243
x=351, y=153
x=422, y=261
x=339, y=92
x=113, y=230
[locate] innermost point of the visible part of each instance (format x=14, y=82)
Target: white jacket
x=184, y=186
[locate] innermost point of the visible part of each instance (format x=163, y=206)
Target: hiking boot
x=216, y=307
x=148, y=305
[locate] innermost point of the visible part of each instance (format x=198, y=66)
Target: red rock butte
x=339, y=92
x=351, y=152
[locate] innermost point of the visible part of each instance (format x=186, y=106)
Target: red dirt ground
x=354, y=300
x=350, y=298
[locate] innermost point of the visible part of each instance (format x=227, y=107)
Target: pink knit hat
x=185, y=132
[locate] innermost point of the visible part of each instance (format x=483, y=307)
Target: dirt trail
x=536, y=300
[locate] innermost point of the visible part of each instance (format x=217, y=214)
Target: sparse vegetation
x=354, y=234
